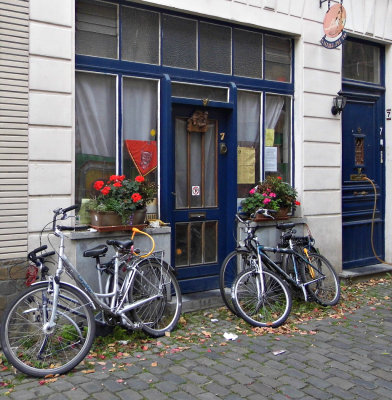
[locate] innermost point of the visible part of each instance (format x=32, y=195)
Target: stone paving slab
x=345, y=358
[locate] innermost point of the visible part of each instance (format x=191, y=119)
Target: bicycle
x=255, y=291
x=246, y=252
x=50, y=327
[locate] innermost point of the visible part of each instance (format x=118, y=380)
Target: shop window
x=277, y=58
x=140, y=35
x=361, y=62
x=277, y=136
x=215, y=48
x=140, y=110
x=179, y=40
x=96, y=29
x=248, y=53
x=189, y=91
x=248, y=141
x=95, y=134
x=276, y=155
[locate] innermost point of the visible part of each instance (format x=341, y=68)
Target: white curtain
x=95, y=114
x=248, y=117
x=273, y=108
x=140, y=105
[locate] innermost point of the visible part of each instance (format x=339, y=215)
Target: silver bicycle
x=50, y=327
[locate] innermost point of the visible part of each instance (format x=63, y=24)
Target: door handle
x=363, y=193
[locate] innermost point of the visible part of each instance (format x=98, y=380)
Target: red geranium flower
x=98, y=185
x=139, y=179
x=136, y=197
x=105, y=190
x=297, y=203
x=117, y=184
x=113, y=178
x=279, y=177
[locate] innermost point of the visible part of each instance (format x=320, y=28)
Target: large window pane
x=215, y=48
x=96, y=29
x=277, y=136
x=277, y=58
x=140, y=116
x=248, y=135
x=361, y=62
x=179, y=42
x=95, y=130
x=248, y=51
x=140, y=35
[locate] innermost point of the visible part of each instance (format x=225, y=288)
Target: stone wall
x=12, y=280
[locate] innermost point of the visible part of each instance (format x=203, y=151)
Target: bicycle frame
x=115, y=308
x=294, y=255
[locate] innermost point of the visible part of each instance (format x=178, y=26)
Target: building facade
x=224, y=91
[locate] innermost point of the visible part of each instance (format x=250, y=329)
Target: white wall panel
x=50, y=144
x=45, y=73
x=41, y=210
x=321, y=154
x=49, y=179
x=322, y=178
x=322, y=130
x=50, y=109
x=319, y=57
x=50, y=41
x=52, y=11
x=324, y=202
x=323, y=82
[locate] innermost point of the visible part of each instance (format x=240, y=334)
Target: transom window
x=143, y=36
x=361, y=62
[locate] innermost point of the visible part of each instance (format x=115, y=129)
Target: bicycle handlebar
x=62, y=211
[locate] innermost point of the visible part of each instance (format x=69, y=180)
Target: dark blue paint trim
x=166, y=152
x=106, y=65
x=119, y=167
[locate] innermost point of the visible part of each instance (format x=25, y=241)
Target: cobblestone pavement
x=342, y=356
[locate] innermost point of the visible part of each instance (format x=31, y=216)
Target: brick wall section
x=12, y=280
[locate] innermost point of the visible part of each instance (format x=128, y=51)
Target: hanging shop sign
x=334, y=22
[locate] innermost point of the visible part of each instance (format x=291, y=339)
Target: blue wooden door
x=202, y=193
x=362, y=152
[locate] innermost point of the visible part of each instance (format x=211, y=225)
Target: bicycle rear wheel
x=264, y=308
x=325, y=286
x=161, y=313
x=234, y=263
x=37, y=350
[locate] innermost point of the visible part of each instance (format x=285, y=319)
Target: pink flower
x=266, y=201
x=265, y=194
x=272, y=194
x=252, y=191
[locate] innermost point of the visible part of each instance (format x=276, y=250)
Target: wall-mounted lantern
x=339, y=103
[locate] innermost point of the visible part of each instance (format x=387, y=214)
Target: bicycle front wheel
x=261, y=299
x=321, y=280
x=234, y=263
x=157, y=288
x=34, y=348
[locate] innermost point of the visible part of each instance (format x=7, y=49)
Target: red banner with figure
x=143, y=154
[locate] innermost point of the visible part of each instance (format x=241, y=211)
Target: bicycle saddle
x=285, y=225
x=96, y=251
x=123, y=245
